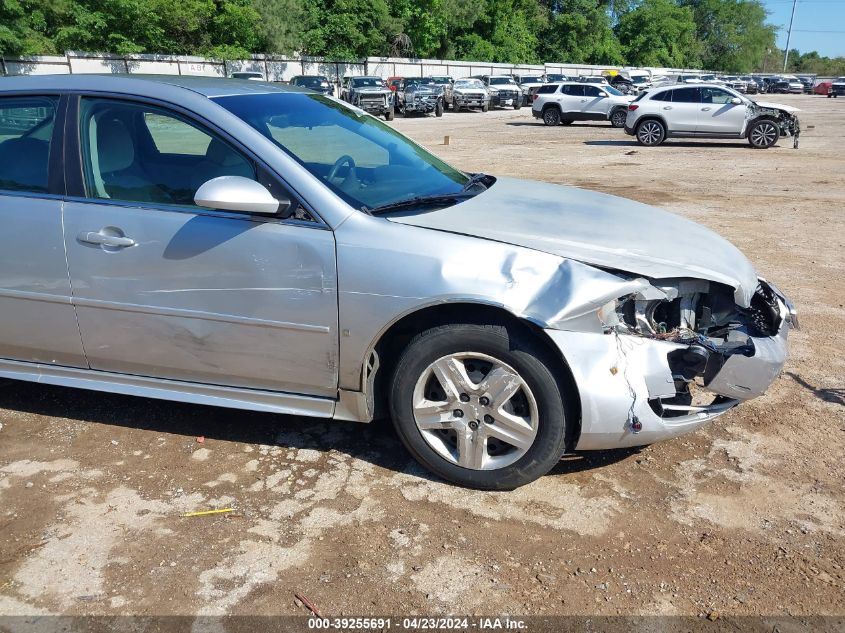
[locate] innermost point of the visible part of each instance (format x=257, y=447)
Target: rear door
x=683, y=113
x=166, y=289
x=718, y=114
x=37, y=320
x=571, y=96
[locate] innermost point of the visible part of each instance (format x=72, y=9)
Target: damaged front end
x=674, y=355
x=786, y=119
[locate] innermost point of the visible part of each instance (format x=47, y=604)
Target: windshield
x=359, y=82
x=499, y=81
x=315, y=82
x=469, y=83
x=532, y=80
x=639, y=79
x=708, y=77
x=364, y=161
x=439, y=80
x=613, y=91
x=551, y=78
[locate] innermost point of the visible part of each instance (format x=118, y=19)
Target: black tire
x=651, y=132
x=438, y=109
x=486, y=107
x=764, y=133
x=507, y=345
x=551, y=116
x=618, y=116
x=388, y=116
x=517, y=104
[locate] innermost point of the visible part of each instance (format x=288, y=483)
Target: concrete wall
x=278, y=68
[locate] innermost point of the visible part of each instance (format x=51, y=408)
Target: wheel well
x=556, y=106
x=397, y=337
x=763, y=117
x=653, y=117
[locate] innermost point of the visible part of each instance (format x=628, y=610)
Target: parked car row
x=693, y=110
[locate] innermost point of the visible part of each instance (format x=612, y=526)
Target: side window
x=591, y=91
x=26, y=127
x=141, y=153
x=715, y=95
x=547, y=89
x=686, y=95
x=666, y=95
x=574, y=91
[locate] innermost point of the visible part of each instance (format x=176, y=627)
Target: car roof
x=148, y=85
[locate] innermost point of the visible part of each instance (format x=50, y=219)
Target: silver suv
x=708, y=111
x=580, y=101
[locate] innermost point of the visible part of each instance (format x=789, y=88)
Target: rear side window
x=686, y=95
x=548, y=89
x=573, y=91
x=26, y=127
x=666, y=95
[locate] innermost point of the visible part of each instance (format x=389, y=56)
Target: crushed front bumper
x=628, y=392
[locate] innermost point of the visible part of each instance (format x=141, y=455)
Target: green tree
x=659, y=33
x=734, y=34
x=579, y=32
x=349, y=29
x=283, y=24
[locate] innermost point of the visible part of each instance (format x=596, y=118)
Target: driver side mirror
x=236, y=193
x=602, y=93
x=736, y=101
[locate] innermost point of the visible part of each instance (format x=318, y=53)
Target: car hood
x=597, y=229
x=777, y=106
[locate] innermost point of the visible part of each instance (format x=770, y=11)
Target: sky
x=819, y=25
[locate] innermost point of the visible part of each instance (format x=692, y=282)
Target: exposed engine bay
x=708, y=328
x=787, y=121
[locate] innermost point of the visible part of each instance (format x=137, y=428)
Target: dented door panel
x=206, y=298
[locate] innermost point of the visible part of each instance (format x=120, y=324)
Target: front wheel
x=763, y=134
x=388, y=116
x=551, y=116
x=438, y=109
x=479, y=405
x=485, y=107
x=651, y=132
x=617, y=119
x=517, y=105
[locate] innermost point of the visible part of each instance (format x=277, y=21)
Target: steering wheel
x=346, y=159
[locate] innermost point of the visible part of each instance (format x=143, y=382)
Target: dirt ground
x=746, y=517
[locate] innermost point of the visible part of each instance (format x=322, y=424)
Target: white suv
x=578, y=101
x=708, y=111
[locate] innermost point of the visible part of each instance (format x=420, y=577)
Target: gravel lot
x=744, y=518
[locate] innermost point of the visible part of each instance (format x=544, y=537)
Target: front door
x=718, y=114
x=37, y=321
x=594, y=104
x=166, y=289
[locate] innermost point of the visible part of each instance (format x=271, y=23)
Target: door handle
x=667, y=107
x=115, y=241
x=705, y=109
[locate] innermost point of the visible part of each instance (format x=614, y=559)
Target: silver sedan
x=249, y=245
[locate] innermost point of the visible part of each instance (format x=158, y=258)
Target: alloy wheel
x=475, y=411
x=764, y=134
x=650, y=133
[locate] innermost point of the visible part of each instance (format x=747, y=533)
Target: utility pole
x=789, y=35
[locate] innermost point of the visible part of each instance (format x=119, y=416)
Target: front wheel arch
x=389, y=344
